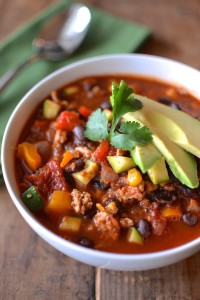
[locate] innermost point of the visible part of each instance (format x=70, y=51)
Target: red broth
x=104, y=209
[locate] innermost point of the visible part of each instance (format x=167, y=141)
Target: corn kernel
x=109, y=114
x=134, y=177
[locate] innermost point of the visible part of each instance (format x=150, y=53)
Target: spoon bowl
x=65, y=37
x=60, y=37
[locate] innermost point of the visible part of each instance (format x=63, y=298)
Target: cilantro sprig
x=122, y=102
x=129, y=135
x=125, y=135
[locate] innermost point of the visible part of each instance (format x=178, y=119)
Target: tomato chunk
x=49, y=179
x=67, y=120
x=85, y=112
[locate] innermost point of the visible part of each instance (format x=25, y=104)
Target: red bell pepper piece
x=102, y=151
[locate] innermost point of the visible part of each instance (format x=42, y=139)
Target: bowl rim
x=47, y=232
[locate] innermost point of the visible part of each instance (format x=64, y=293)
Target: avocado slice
x=182, y=164
x=145, y=156
x=121, y=164
x=178, y=126
x=158, y=173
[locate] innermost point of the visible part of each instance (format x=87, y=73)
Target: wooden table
x=30, y=268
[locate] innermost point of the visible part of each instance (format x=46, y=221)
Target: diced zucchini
x=32, y=199
x=90, y=170
x=50, y=109
x=71, y=90
x=70, y=224
x=134, y=236
x=121, y=164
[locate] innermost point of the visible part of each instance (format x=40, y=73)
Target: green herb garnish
x=127, y=134
x=122, y=102
x=97, y=126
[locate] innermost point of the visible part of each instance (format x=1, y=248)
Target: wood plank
x=15, y=13
x=175, y=25
x=178, y=281
x=31, y=269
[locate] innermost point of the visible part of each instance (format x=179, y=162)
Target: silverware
x=60, y=37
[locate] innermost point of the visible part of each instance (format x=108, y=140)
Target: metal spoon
x=59, y=39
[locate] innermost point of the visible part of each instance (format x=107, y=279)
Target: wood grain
x=30, y=268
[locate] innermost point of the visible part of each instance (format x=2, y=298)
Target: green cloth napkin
x=107, y=34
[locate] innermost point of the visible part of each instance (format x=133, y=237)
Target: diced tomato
x=67, y=120
x=49, y=179
x=102, y=151
x=85, y=112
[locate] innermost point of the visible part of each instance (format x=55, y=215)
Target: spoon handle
x=10, y=75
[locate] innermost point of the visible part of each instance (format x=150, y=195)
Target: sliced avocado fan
x=182, y=163
x=178, y=126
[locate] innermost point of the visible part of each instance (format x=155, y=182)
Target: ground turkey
x=127, y=193
x=81, y=201
x=107, y=225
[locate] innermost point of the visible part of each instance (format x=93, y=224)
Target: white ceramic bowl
x=157, y=67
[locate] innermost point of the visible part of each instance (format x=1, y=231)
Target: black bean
x=190, y=219
x=78, y=132
x=85, y=242
x=75, y=165
x=165, y=101
x=144, y=228
x=89, y=84
x=90, y=213
x=187, y=192
x=97, y=183
x=169, y=102
x=162, y=196
x=79, y=164
x=106, y=105
x=175, y=106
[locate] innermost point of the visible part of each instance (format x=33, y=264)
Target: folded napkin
x=107, y=34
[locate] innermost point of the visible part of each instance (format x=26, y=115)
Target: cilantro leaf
x=122, y=101
x=130, y=134
x=97, y=126
x=120, y=141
